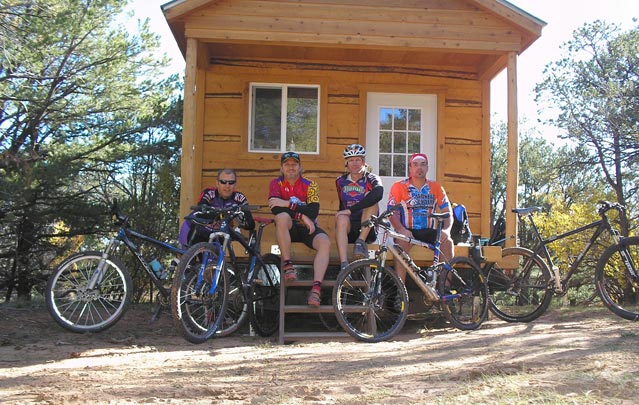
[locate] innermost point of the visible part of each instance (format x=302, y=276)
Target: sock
x=317, y=286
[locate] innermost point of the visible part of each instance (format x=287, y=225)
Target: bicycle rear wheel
x=264, y=308
x=519, y=286
x=464, y=294
x=616, y=278
x=198, y=312
x=370, y=302
x=79, y=309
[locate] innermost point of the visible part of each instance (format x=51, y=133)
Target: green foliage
x=84, y=119
x=595, y=88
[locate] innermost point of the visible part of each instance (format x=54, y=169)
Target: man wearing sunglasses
x=294, y=200
x=222, y=196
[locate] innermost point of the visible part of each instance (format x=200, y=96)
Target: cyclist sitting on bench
x=422, y=196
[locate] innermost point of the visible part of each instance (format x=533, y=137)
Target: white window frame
x=284, y=88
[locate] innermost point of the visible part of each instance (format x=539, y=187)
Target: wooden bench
x=293, y=295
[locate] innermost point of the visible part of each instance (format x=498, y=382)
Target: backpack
x=460, y=232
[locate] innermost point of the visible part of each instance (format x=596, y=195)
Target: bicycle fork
x=98, y=274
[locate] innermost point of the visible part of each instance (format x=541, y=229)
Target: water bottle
x=157, y=268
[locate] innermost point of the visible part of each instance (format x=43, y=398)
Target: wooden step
x=307, y=309
x=312, y=335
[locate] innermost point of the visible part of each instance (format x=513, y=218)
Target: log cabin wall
x=342, y=107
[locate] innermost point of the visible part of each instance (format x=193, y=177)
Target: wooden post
x=512, y=176
x=484, y=228
x=191, y=167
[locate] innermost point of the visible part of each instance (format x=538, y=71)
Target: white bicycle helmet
x=354, y=150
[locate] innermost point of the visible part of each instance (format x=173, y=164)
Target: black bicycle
x=371, y=301
x=90, y=291
x=522, y=285
x=214, y=291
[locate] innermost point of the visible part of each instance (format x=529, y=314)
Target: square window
x=284, y=117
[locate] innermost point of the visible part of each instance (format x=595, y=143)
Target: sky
x=561, y=16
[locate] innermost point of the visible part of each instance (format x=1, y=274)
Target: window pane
x=267, y=130
x=384, y=165
x=399, y=166
x=414, y=120
x=385, y=142
x=413, y=143
x=400, y=118
x=399, y=143
x=385, y=118
x=301, y=119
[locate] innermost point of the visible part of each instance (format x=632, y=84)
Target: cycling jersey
x=212, y=197
x=423, y=201
x=303, y=196
x=360, y=194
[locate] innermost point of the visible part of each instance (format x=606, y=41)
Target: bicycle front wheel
x=237, y=307
x=370, y=302
x=464, y=294
x=616, y=278
x=519, y=285
x=264, y=308
x=197, y=311
x=76, y=307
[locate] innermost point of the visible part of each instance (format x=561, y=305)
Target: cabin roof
x=470, y=36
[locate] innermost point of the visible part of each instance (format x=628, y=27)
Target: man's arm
x=371, y=198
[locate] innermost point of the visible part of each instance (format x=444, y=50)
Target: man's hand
x=277, y=202
x=406, y=232
x=310, y=225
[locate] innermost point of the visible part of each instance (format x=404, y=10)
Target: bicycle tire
x=264, y=309
x=236, y=307
x=615, y=284
x=365, y=312
x=522, y=293
x=79, y=310
x=464, y=293
x=198, y=314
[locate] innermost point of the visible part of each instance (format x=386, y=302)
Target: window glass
x=399, y=137
x=284, y=117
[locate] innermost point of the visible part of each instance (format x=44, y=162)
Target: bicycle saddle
x=524, y=211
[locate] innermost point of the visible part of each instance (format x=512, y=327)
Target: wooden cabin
x=266, y=76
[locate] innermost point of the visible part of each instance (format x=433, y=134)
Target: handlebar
x=206, y=212
x=605, y=206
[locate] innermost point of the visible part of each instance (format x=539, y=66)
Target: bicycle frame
x=401, y=257
x=221, y=240
x=124, y=236
x=541, y=248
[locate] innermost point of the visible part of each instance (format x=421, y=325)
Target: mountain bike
x=523, y=284
x=214, y=292
x=371, y=301
x=90, y=291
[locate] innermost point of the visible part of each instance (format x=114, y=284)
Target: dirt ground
x=567, y=356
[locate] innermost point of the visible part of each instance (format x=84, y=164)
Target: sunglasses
x=231, y=182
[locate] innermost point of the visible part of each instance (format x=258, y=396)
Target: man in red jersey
x=294, y=200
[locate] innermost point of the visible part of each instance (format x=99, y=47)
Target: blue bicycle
x=214, y=291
